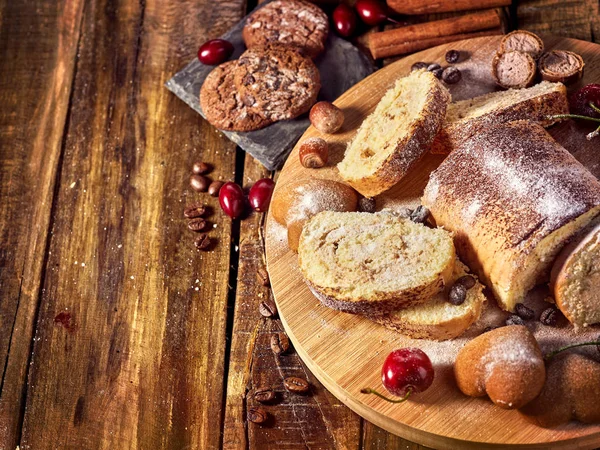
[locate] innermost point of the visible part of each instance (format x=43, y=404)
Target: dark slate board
x=341, y=66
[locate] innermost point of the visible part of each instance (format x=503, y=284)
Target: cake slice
x=575, y=279
x=373, y=264
x=561, y=65
x=469, y=117
x=438, y=318
x=514, y=70
x=396, y=135
x=522, y=41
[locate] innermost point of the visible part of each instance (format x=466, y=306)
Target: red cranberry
x=260, y=194
x=344, y=20
x=407, y=369
x=371, y=12
x=232, y=200
x=215, y=52
x=580, y=100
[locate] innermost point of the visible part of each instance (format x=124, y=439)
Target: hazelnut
x=326, y=117
x=313, y=153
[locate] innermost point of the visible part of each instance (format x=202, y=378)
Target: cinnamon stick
x=404, y=48
x=385, y=41
x=427, y=7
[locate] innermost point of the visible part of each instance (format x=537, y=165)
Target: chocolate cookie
x=222, y=104
x=277, y=81
x=290, y=22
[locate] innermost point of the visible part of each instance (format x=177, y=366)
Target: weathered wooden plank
x=575, y=19
x=38, y=44
x=129, y=350
x=317, y=420
x=375, y=438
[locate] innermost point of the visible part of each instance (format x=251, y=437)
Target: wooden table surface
x=115, y=332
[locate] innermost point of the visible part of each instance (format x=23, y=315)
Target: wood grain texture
x=316, y=420
x=441, y=417
x=38, y=44
x=136, y=359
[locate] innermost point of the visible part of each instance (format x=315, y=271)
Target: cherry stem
x=572, y=116
x=393, y=21
x=594, y=107
x=562, y=349
x=373, y=391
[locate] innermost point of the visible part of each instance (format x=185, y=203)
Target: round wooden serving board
x=345, y=352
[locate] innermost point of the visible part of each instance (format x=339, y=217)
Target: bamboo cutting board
x=345, y=352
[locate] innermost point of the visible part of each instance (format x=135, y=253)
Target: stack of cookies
x=275, y=79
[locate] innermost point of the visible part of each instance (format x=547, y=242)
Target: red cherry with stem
x=215, y=52
x=260, y=194
x=580, y=100
x=232, y=200
x=372, y=12
x=344, y=20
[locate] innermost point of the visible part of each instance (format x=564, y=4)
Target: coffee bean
x=467, y=281
x=420, y=214
x=195, y=210
x=296, y=385
x=198, y=224
x=513, y=319
x=214, y=188
x=267, y=309
x=549, y=316
x=452, y=56
x=488, y=328
x=457, y=294
x=263, y=276
x=367, y=204
x=203, y=242
x=199, y=183
x=257, y=415
x=280, y=343
x=438, y=73
x=451, y=75
x=201, y=168
x=524, y=312
x=433, y=66
x=264, y=395
x=419, y=65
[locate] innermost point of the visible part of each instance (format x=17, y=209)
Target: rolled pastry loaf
x=513, y=197
x=575, y=279
x=468, y=117
x=438, y=318
x=372, y=264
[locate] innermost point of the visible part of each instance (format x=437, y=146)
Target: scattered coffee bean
x=264, y=395
x=296, y=385
x=202, y=242
x=549, y=316
x=214, y=188
x=263, y=276
x=419, y=65
x=598, y=345
x=267, y=309
x=433, y=66
x=457, y=294
x=524, y=312
x=199, y=183
x=452, y=56
x=198, y=224
x=201, y=168
x=513, y=319
x=195, y=210
x=438, y=73
x=451, y=75
x=467, y=281
x=420, y=215
x=257, y=415
x=280, y=343
x=367, y=204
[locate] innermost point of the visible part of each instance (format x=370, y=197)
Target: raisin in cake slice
x=373, y=263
